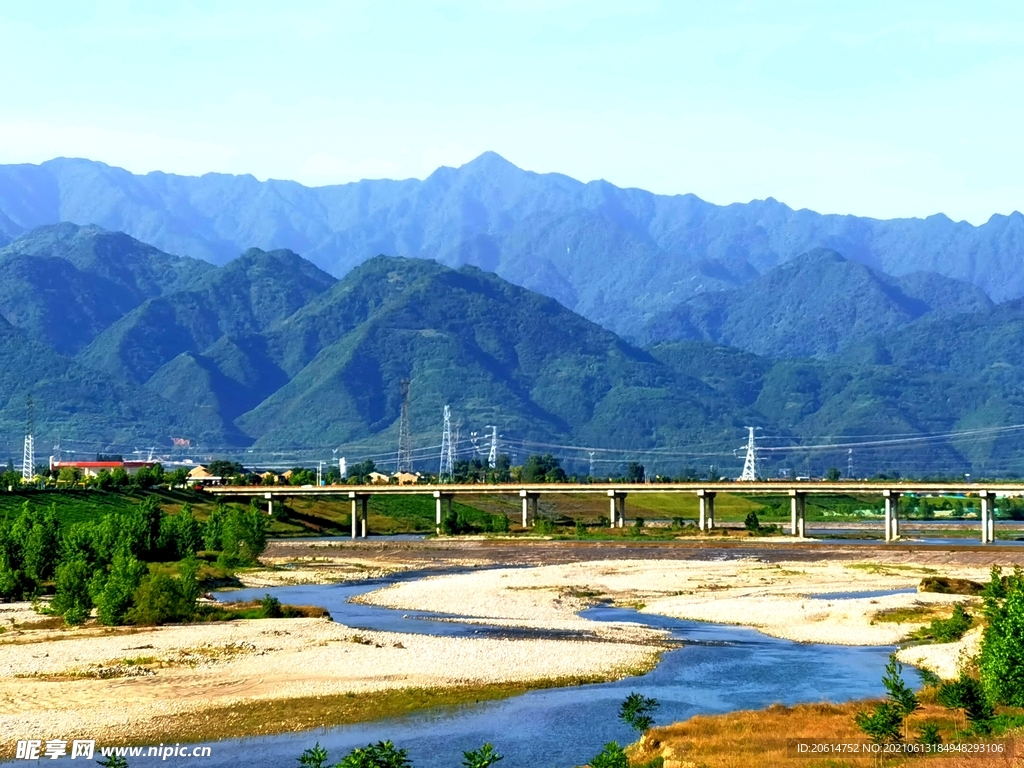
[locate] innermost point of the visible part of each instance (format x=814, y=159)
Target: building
x=377, y=478
x=93, y=468
x=406, y=478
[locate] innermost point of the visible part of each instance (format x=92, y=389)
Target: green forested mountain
x=64, y=285
x=269, y=357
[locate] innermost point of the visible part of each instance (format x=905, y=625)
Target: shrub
x=752, y=522
x=271, y=607
x=383, y=754
x=968, y=694
x=948, y=630
x=1001, y=662
x=113, y=593
x=883, y=725
x=544, y=526
x=611, y=756
x=314, y=757
x=484, y=757
x=72, y=599
x=159, y=599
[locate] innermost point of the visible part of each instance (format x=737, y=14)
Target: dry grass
x=759, y=739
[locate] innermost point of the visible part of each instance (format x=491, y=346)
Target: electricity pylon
x=447, y=470
x=404, y=436
x=750, y=463
x=28, y=459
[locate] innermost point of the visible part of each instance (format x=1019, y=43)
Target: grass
x=913, y=614
x=759, y=739
x=263, y=716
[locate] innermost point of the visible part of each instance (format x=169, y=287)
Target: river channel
x=716, y=669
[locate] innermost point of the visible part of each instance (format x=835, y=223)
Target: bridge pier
x=529, y=507
x=359, y=501
x=617, y=509
x=988, y=503
x=438, y=498
x=706, y=499
x=798, y=513
x=892, y=514
x=270, y=503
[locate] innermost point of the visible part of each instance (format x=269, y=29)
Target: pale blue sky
x=884, y=109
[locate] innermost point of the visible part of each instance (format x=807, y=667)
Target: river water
x=717, y=669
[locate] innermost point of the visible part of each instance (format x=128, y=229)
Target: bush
x=72, y=599
x=752, y=523
x=544, y=526
x=271, y=607
x=1001, y=662
x=611, y=756
x=160, y=599
x=484, y=757
x=969, y=695
x=948, y=630
x=383, y=754
x=113, y=592
x=884, y=725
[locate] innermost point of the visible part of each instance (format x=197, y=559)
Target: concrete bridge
x=617, y=494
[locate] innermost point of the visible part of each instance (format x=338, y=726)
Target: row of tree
x=105, y=564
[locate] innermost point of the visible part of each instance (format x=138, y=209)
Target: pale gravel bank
x=50, y=684
x=775, y=598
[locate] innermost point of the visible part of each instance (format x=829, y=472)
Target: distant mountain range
x=268, y=356
x=626, y=259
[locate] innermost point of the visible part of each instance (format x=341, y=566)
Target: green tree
x=752, y=522
x=225, y=468
x=883, y=725
x=969, y=695
x=635, y=472
x=1001, y=661
x=612, y=756
x=159, y=599
x=71, y=598
x=113, y=592
x=213, y=530
x=484, y=757
x=833, y=474
x=383, y=754
x=543, y=468
x=637, y=711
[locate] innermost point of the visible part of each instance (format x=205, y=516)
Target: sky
x=882, y=109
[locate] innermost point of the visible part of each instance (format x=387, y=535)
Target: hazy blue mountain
x=616, y=256
x=65, y=284
x=815, y=305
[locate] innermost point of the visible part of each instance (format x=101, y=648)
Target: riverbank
x=205, y=681
x=781, y=599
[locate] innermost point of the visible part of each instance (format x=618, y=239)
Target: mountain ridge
x=617, y=256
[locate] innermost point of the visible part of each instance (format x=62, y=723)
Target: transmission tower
x=849, y=464
x=750, y=463
x=404, y=438
x=28, y=460
x=447, y=470
x=591, y=464
x=492, y=455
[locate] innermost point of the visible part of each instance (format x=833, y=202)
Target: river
x=717, y=669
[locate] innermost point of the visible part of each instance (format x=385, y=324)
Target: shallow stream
x=717, y=669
